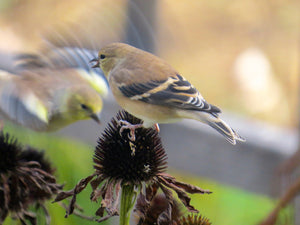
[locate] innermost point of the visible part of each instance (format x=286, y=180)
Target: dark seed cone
x=193, y=220
x=25, y=179
x=119, y=158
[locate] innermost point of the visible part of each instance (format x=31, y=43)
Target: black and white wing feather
x=173, y=92
x=179, y=93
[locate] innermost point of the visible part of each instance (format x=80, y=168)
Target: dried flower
x=127, y=165
x=118, y=158
x=25, y=179
x=148, y=214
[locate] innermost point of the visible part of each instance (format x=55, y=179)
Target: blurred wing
x=173, y=92
x=67, y=57
x=25, y=110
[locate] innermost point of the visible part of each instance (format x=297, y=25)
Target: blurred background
x=243, y=56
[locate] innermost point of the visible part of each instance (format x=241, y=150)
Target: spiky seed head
x=118, y=158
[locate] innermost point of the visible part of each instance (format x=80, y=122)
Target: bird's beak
x=96, y=118
x=97, y=62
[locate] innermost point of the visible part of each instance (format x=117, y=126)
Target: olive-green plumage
x=47, y=99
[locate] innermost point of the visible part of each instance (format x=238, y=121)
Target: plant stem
x=127, y=203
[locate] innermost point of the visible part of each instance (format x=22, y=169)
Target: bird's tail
x=219, y=125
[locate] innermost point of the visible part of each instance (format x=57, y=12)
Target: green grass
x=228, y=205
x=73, y=161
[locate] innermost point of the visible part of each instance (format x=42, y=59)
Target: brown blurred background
x=242, y=55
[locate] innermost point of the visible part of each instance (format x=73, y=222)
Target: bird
x=150, y=89
x=50, y=90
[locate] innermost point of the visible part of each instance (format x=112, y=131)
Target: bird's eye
x=83, y=106
x=102, y=56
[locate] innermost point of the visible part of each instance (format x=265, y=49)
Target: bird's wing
x=23, y=108
x=67, y=57
x=175, y=91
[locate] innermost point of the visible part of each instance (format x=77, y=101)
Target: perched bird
x=153, y=91
x=48, y=92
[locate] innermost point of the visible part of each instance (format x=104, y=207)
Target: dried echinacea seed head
x=26, y=178
x=117, y=157
x=193, y=220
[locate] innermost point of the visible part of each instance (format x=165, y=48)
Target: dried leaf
x=63, y=195
x=77, y=189
x=71, y=206
x=83, y=183
x=187, y=187
x=190, y=188
x=185, y=199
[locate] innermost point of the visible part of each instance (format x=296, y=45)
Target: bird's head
x=110, y=55
x=83, y=103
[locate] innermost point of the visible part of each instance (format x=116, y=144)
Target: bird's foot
x=156, y=126
x=126, y=125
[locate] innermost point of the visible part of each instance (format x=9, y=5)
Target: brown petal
x=108, y=200
x=100, y=211
x=141, y=206
x=118, y=193
x=191, y=188
x=151, y=191
x=99, y=192
x=166, y=216
x=187, y=187
x=96, y=182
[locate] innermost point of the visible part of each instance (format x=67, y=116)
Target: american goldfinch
x=153, y=91
x=52, y=91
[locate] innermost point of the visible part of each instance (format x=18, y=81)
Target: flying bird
x=51, y=90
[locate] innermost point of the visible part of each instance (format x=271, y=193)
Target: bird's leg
x=126, y=125
x=156, y=126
